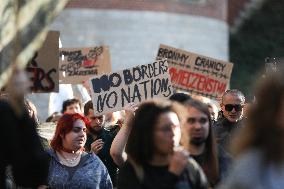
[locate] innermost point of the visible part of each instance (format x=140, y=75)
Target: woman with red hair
x=70, y=165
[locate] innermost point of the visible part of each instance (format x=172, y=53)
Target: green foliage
x=261, y=36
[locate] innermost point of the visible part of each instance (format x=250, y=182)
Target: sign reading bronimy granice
x=196, y=74
x=77, y=65
x=111, y=92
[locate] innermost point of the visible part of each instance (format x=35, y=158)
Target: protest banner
x=196, y=74
x=77, y=65
x=43, y=68
x=111, y=92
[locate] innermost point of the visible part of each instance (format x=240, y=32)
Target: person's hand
x=19, y=84
x=97, y=145
x=129, y=111
x=178, y=161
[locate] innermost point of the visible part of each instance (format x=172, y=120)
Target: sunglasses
x=193, y=120
x=230, y=107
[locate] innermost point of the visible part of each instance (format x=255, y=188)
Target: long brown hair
x=264, y=128
x=140, y=146
x=211, y=164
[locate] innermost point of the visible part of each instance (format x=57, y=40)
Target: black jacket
x=21, y=149
x=158, y=177
x=224, y=131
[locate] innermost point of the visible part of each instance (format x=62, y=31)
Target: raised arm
x=119, y=142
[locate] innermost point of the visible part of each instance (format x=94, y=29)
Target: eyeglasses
x=193, y=120
x=230, y=107
x=168, y=128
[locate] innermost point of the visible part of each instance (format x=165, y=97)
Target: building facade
x=134, y=29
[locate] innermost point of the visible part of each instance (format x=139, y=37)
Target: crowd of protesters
x=178, y=143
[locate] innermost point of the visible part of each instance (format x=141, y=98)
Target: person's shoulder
x=52, y=153
x=220, y=121
x=112, y=128
x=94, y=159
x=249, y=158
x=196, y=174
x=245, y=172
x=127, y=165
x=241, y=123
x=193, y=163
x=247, y=165
x=91, y=156
x=218, y=125
x=111, y=131
x=223, y=154
x=194, y=167
x=127, y=170
x=93, y=162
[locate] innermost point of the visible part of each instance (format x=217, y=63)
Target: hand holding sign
x=129, y=112
x=130, y=108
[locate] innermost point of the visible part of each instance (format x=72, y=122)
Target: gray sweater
x=89, y=173
x=249, y=172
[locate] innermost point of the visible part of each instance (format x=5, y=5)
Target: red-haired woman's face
x=76, y=138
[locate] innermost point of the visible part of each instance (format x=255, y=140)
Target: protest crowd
x=174, y=123
x=169, y=142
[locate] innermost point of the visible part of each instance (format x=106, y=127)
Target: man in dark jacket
x=99, y=139
x=231, y=117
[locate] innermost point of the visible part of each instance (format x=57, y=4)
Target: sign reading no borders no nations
x=111, y=92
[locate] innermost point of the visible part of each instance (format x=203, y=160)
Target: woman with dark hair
x=201, y=144
x=259, y=147
x=152, y=160
x=70, y=166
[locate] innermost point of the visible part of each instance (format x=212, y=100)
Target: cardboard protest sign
x=111, y=92
x=196, y=74
x=43, y=68
x=77, y=65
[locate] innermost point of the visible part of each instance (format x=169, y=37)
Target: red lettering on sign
x=195, y=81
